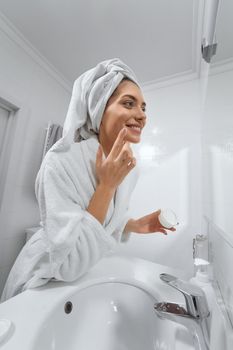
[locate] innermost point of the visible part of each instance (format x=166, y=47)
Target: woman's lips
x=135, y=130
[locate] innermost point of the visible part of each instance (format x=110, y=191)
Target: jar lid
x=167, y=218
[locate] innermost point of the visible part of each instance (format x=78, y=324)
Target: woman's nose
x=141, y=116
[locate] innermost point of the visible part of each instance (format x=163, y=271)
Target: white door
x=4, y=154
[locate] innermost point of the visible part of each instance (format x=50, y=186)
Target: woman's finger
x=125, y=153
x=99, y=156
x=171, y=229
x=162, y=231
x=118, y=144
x=130, y=165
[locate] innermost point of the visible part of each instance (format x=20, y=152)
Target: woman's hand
x=147, y=224
x=111, y=171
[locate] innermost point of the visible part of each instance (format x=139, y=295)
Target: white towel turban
x=90, y=94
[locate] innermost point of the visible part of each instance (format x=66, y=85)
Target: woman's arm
x=130, y=226
x=100, y=201
x=147, y=224
x=110, y=172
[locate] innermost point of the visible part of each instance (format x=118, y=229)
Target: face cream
x=167, y=218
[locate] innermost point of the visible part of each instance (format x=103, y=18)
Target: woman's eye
x=129, y=103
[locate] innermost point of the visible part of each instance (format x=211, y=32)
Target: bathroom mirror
x=185, y=156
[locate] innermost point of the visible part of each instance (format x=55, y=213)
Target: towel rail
x=53, y=134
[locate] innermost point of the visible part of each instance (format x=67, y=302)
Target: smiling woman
x=85, y=181
x=125, y=108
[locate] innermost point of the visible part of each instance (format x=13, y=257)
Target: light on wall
x=155, y=131
x=148, y=152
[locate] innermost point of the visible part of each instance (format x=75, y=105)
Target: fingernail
x=124, y=131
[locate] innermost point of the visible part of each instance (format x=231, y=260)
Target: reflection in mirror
x=161, y=41
x=44, y=48
x=186, y=153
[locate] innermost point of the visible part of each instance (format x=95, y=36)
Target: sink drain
x=68, y=307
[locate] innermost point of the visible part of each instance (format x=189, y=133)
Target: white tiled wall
x=218, y=150
x=40, y=98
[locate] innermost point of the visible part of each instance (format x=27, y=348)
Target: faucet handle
x=195, y=299
x=183, y=286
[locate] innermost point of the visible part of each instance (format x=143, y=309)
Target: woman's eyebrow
x=134, y=98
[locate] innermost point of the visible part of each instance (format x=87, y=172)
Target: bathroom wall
x=33, y=86
x=170, y=167
x=217, y=139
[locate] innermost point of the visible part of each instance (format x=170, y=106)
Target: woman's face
x=125, y=108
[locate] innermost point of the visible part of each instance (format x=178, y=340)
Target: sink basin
x=109, y=308
x=110, y=316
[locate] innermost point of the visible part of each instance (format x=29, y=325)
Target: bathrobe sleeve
x=75, y=239
x=129, y=184
x=124, y=237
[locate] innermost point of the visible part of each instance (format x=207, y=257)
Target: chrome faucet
x=195, y=314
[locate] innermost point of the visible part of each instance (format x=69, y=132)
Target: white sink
x=111, y=316
x=112, y=309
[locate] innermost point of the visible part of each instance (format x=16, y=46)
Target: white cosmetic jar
x=168, y=218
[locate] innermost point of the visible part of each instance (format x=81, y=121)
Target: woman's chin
x=133, y=139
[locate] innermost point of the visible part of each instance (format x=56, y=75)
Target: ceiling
x=158, y=39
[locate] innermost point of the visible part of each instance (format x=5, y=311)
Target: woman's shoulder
x=77, y=150
x=91, y=143
x=85, y=148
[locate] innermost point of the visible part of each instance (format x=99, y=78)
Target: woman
x=85, y=181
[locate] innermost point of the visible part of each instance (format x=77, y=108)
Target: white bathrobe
x=71, y=240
